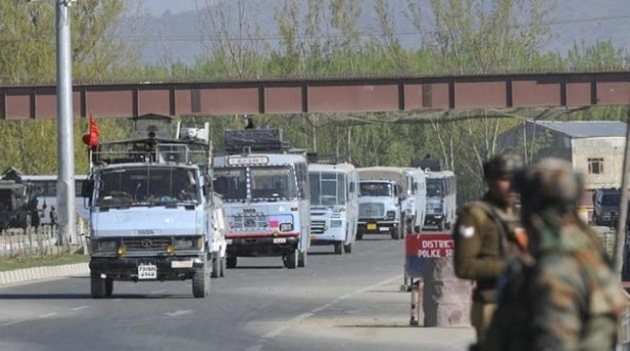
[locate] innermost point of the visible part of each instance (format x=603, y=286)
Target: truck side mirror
x=87, y=188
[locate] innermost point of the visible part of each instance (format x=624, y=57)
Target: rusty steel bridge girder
x=338, y=95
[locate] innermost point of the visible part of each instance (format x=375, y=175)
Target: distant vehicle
x=606, y=203
x=381, y=193
x=415, y=202
x=151, y=209
x=45, y=188
x=265, y=191
x=334, y=205
x=18, y=204
x=441, y=199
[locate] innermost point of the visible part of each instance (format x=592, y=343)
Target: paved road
x=349, y=302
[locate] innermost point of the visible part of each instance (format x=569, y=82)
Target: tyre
x=231, y=261
x=441, y=226
x=359, y=235
x=201, y=282
x=223, y=267
x=303, y=259
x=216, y=268
x=109, y=287
x=395, y=233
x=291, y=259
x=347, y=248
x=338, y=248
x=98, y=288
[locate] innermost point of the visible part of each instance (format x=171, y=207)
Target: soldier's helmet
x=502, y=166
x=550, y=183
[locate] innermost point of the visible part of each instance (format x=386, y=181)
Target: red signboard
x=436, y=245
x=420, y=247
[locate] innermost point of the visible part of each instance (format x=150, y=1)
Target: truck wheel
x=290, y=259
x=303, y=259
x=395, y=233
x=98, y=288
x=338, y=248
x=223, y=268
x=216, y=269
x=347, y=248
x=109, y=287
x=231, y=261
x=359, y=235
x=201, y=282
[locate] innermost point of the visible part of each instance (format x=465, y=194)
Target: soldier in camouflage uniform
x=479, y=235
x=562, y=295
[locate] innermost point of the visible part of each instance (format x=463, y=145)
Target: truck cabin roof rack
x=255, y=141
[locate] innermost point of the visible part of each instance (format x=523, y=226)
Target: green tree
x=28, y=52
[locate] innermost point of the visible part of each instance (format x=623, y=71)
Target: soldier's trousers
x=480, y=317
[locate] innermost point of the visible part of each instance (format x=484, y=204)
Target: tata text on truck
x=150, y=208
x=381, y=192
x=264, y=185
x=334, y=205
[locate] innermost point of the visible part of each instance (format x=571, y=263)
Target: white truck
x=152, y=210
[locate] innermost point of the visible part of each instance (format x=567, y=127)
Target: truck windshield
x=231, y=183
x=272, y=183
x=149, y=185
x=434, y=187
x=376, y=189
x=327, y=188
x=611, y=200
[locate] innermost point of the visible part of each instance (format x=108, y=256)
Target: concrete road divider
x=39, y=273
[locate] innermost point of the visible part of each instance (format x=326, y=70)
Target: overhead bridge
x=334, y=95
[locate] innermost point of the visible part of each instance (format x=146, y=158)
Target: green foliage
x=28, y=40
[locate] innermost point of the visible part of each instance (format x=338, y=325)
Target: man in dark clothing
x=480, y=234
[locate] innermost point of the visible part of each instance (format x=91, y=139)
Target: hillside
x=175, y=34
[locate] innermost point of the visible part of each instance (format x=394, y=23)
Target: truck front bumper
x=367, y=226
x=129, y=268
x=255, y=246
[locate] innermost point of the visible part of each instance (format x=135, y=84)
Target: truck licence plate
x=147, y=271
x=371, y=226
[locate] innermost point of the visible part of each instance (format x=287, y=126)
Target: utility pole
x=620, y=240
x=65, y=156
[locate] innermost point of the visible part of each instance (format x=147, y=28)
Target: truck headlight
x=187, y=243
x=335, y=223
x=104, y=245
x=286, y=227
x=391, y=214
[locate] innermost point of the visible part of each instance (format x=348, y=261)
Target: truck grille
x=371, y=210
x=317, y=227
x=249, y=222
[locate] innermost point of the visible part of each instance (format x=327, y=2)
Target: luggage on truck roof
x=428, y=163
x=254, y=140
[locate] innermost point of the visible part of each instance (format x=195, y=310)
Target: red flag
x=91, y=137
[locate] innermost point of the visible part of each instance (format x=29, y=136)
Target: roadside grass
x=19, y=262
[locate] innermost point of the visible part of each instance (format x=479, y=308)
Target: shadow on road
x=88, y=297
x=322, y=253
x=257, y=267
x=377, y=326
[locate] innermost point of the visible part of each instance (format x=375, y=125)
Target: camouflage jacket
x=567, y=299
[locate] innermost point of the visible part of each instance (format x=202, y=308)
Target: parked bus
x=266, y=198
x=334, y=205
x=46, y=189
x=441, y=199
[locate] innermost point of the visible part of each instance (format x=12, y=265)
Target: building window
x=595, y=166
